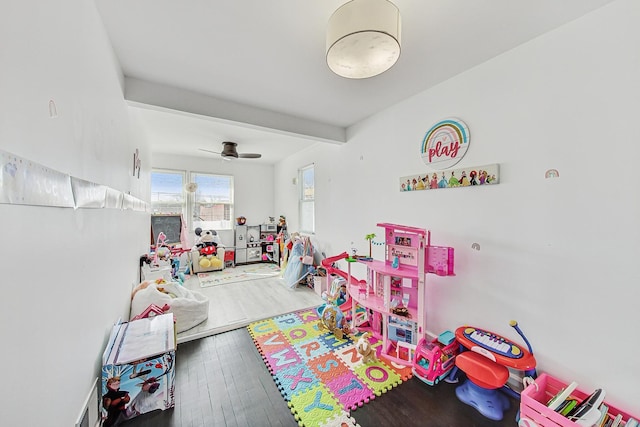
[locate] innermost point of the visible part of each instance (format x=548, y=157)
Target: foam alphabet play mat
x=321, y=377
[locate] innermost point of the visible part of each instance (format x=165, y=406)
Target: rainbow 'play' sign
x=445, y=144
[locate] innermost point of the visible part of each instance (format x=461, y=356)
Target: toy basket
x=533, y=404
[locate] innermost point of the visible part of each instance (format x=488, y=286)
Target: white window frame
x=306, y=199
x=180, y=204
x=187, y=202
x=227, y=224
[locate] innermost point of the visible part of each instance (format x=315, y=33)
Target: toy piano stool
x=486, y=367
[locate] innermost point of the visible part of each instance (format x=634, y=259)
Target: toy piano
x=487, y=368
x=492, y=346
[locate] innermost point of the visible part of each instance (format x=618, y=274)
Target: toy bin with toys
x=536, y=398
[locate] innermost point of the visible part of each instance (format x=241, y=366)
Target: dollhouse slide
x=327, y=264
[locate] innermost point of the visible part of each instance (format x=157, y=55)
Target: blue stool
x=480, y=390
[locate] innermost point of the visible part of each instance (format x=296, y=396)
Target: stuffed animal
x=207, y=242
x=140, y=287
x=364, y=348
x=213, y=262
x=207, y=248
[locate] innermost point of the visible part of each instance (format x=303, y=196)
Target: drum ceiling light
x=363, y=38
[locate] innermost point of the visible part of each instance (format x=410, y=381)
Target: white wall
x=66, y=275
x=253, y=185
x=557, y=255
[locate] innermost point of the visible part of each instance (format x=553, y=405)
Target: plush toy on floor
x=365, y=349
x=207, y=242
x=207, y=247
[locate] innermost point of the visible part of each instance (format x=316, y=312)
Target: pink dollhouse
x=393, y=294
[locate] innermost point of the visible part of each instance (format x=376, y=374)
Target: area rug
x=321, y=377
x=239, y=273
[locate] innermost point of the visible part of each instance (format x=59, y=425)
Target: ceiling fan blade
x=216, y=152
x=229, y=152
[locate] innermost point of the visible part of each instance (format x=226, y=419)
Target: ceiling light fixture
x=229, y=150
x=363, y=38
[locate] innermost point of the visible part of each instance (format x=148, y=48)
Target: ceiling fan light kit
x=363, y=38
x=229, y=150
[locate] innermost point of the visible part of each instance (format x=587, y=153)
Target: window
x=306, y=180
x=212, y=202
x=167, y=194
x=210, y=206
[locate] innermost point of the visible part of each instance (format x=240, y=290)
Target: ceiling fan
x=229, y=151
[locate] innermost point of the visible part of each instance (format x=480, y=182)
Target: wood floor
x=236, y=305
x=221, y=379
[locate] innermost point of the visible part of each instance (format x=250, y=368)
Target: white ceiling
x=200, y=72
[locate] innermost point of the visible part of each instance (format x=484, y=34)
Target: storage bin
x=533, y=404
x=138, y=369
